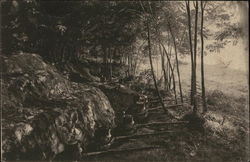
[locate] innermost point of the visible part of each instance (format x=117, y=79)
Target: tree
x=202, y=6
x=152, y=69
x=195, y=57
x=172, y=71
x=149, y=52
x=227, y=30
x=63, y=31
x=193, y=100
x=176, y=60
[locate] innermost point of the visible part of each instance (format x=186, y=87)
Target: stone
x=56, y=114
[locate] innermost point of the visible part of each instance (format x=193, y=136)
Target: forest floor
x=225, y=137
x=225, y=133
x=219, y=142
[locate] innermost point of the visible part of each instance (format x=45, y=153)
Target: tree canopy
x=64, y=30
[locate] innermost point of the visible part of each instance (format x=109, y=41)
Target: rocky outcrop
x=123, y=98
x=44, y=114
x=79, y=72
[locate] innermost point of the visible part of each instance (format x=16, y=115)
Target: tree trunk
x=152, y=69
x=170, y=73
x=121, y=51
x=163, y=68
x=204, y=104
x=191, y=52
x=104, y=63
x=110, y=65
x=171, y=68
x=128, y=59
x=195, y=55
x=177, y=62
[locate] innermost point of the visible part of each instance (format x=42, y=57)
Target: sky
x=236, y=54
x=231, y=56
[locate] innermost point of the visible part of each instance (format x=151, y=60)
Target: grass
x=229, y=81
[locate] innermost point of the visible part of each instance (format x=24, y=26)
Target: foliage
x=222, y=14
x=59, y=31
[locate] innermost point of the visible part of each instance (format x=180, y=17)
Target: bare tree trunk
x=129, y=68
x=163, y=68
x=191, y=51
x=121, y=56
x=171, y=68
x=204, y=104
x=105, y=58
x=168, y=67
x=177, y=62
x=131, y=64
x=152, y=69
x=170, y=71
x=195, y=55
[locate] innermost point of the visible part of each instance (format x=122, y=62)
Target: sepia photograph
x=133, y=80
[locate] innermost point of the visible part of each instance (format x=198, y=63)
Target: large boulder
x=122, y=97
x=79, y=71
x=44, y=114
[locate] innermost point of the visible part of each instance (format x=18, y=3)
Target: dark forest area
x=124, y=80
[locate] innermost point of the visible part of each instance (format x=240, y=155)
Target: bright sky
x=238, y=54
x=235, y=56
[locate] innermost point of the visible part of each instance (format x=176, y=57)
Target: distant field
x=229, y=81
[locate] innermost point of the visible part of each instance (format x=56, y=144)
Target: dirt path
x=179, y=144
